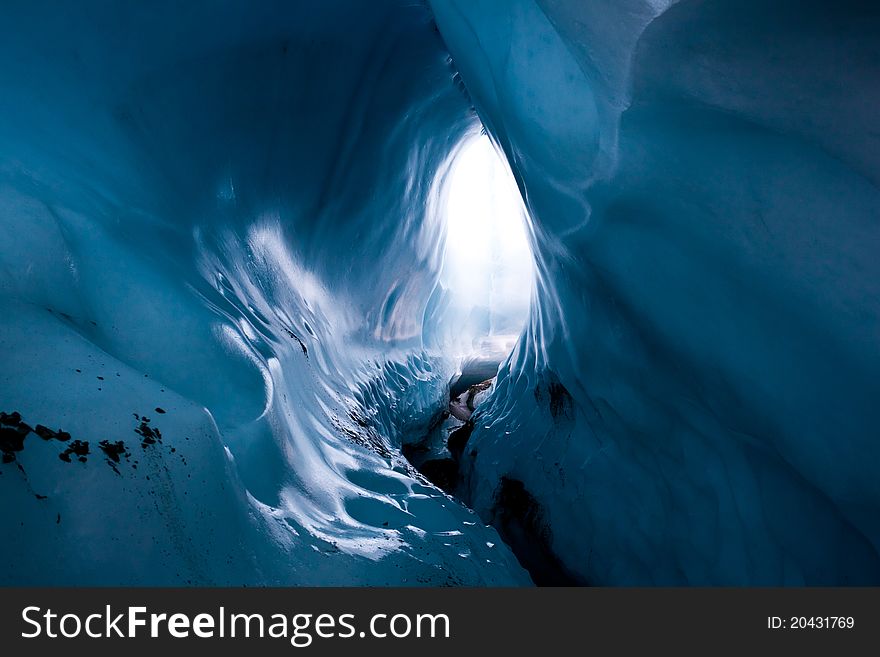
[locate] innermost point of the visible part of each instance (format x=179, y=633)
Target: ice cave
x=440, y=292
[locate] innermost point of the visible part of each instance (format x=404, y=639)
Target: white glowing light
x=488, y=264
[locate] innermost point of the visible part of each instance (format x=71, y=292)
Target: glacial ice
x=225, y=221
x=219, y=210
x=696, y=398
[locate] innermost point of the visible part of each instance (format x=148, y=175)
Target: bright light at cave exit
x=488, y=265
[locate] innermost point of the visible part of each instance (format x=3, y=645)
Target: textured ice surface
x=221, y=210
x=222, y=245
x=695, y=400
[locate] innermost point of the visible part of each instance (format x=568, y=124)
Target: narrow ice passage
x=456, y=292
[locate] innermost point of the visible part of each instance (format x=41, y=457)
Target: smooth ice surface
x=234, y=212
x=226, y=211
x=695, y=401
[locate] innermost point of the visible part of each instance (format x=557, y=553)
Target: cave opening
x=487, y=270
x=488, y=263
x=488, y=278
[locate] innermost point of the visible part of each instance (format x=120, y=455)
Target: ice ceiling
x=234, y=287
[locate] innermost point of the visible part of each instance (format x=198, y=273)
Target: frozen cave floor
x=439, y=455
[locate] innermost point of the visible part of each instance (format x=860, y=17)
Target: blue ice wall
x=221, y=250
x=696, y=398
x=217, y=242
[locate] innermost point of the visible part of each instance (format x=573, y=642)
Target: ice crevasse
x=222, y=267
